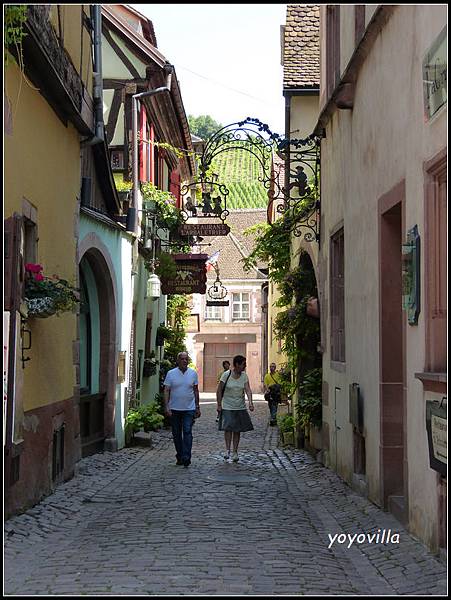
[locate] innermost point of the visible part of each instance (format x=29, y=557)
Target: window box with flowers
x=47, y=296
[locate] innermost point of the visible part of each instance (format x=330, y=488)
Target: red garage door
x=214, y=354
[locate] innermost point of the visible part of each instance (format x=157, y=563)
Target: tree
x=203, y=126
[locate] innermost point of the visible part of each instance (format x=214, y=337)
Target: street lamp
x=153, y=287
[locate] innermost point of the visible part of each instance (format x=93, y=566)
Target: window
x=213, y=313
x=337, y=297
x=240, y=306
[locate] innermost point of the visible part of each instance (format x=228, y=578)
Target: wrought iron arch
x=289, y=172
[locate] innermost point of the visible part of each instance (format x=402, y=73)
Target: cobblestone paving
x=134, y=523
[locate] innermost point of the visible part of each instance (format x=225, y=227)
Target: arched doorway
x=97, y=352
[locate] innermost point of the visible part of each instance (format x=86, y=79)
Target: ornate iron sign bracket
x=289, y=171
x=217, y=292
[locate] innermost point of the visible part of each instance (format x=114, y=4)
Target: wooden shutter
x=14, y=268
x=174, y=186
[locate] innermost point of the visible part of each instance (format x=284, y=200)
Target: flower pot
x=41, y=307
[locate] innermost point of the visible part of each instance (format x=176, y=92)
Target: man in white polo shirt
x=181, y=401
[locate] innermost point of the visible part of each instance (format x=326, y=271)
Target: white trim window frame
x=213, y=313
x=241, y=305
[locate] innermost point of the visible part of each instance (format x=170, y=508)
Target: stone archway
x=98, y=360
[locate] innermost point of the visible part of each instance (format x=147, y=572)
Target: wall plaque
x=434, y=75
x=436, y=427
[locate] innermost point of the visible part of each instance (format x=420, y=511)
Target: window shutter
x=14, y=268
x=174, y=186
x=143, y=146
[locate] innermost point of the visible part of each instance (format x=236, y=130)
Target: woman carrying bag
x=233, y=417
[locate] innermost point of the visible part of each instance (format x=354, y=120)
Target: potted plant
x=286, y=425
x=146, y=417
x=310, y=406
x=46, y=296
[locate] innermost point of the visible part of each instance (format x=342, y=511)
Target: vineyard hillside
x=239, y=170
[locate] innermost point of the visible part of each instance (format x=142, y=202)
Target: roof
x=301, y=66
x=179, y=126
x=235, y=246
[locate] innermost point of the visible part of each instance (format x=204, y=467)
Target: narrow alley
x=275, y=523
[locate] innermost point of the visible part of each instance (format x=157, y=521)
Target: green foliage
x=272, y=246
x=239, y=170
x=174, y=333
x=123, y=186
x=165, y=265
x=168, y=215
x=150, y=365
x=146, y=416
x=310, y=403
x=293, y=326
x=285, y=423
x=61, y=294
x=203, y=126
x=15, y=16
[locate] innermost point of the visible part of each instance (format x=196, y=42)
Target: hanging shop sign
x=191, y=275
x=204, y=229
x=217, y=303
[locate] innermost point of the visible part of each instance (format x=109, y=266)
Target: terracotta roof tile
x=301, y=47
x=234, y=246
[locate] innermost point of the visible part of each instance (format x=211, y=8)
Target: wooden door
x=214, y=354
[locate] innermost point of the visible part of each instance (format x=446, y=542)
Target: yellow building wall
x=42, y=165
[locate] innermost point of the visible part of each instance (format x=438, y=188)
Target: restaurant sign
x=191, y=275
x=434, y=75
x=204, y=229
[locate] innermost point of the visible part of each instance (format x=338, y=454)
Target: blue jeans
x=182, y=424
x=273, y=409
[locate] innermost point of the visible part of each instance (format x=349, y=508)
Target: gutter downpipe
x=132, y=213
x=97, y=93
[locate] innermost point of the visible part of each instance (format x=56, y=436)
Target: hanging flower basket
x=150, y=366
x=40, y=307
x=46, y=296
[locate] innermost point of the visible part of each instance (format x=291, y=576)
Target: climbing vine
x=14, y=20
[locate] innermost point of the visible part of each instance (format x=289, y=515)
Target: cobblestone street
x=134, y=523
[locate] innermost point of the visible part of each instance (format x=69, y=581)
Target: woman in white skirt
x=233, y=416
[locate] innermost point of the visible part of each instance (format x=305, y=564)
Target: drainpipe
x=131, y=224
x=98, y=136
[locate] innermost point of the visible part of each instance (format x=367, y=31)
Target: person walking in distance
x=272, y=392
x=225, y=367
x=233, y=416
x=181, y=402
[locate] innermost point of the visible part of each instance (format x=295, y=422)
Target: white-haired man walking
x=181, y=400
